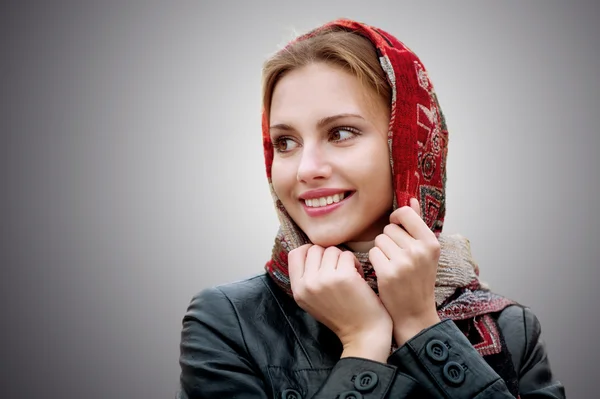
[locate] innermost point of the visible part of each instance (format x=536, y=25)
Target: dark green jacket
x=250, y=340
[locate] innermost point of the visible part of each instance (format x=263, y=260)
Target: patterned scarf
x=418, y=145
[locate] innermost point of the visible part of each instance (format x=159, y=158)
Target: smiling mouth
x=327, y=200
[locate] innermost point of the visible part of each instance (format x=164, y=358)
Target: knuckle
x=410, y=251
x=405, y=210
x=435, y=251
x=348, y=258
x=296, y=253
x=398, y=266
x=345, y=257
x=430, y=248
x=374, y=250
x=400, y=214
x=316, y=249
x=332, y=250
x=419, y=251
x=435, y=246
x=388, y=229
x=380, y=238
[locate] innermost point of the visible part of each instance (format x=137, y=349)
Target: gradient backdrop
x=132, y=171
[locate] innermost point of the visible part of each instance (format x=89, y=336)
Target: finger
x=387, y=245
x=399, y=236
x=313, y=260
x=330, y=258
x=378, y=260
x=412, y=223
x=348, y=262
x=359, y=268
x=414, y=204
x=296, y=261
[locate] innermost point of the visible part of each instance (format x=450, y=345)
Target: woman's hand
x=405, y=262
x=327, y=284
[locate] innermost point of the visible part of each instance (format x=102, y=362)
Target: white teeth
x=318, y=202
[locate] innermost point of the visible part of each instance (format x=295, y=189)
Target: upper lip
x=321, y=192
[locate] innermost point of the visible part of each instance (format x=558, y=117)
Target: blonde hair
x=335, y=46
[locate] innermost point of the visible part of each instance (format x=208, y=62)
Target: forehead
x=319, y=90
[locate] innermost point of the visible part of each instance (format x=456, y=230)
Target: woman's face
x=331, y=167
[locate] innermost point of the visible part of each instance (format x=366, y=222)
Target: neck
x=367, y=237
x=360, y=246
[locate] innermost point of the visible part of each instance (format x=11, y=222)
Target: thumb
x=359, y=267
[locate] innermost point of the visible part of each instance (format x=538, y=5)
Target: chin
x=326, y=240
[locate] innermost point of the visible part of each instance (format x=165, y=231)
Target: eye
x=343, y=133
x=284, y=144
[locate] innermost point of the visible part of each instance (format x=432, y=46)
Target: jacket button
x=436, y=350
x=454, y=373
x=366, y=381
x=291, y=394
x=351, y=395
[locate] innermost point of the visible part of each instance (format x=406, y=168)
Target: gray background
x=133, y=176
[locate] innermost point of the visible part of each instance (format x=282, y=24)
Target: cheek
x=377, y=171
x=282, y=178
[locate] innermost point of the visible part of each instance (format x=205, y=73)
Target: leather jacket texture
x=248, y=339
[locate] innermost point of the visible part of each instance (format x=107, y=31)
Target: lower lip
x=324, y=210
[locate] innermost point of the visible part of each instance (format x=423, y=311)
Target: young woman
x=364, y=297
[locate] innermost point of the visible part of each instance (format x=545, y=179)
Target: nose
x=313, y=164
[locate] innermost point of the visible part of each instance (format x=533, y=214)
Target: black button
x=291, y=394
x=366, y=381
x=436, y=350
x=454, y=373
x=351, y=395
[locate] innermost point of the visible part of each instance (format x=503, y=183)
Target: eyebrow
x=322, y=122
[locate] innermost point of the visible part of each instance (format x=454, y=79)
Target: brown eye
x=341, y=134
x=284, y=144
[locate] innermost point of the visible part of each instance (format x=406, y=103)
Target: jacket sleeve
x=443, y=360
x=216, y=364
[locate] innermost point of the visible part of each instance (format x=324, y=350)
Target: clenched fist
x=405, y=260
x=329, y=285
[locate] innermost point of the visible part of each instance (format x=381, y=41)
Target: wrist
x=372, y=345
x=406, y=330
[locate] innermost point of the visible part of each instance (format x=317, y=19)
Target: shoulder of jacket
x=521, y=329
x=244, y=288
x=521, y=317
x=229, y=299
x=239, y=293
